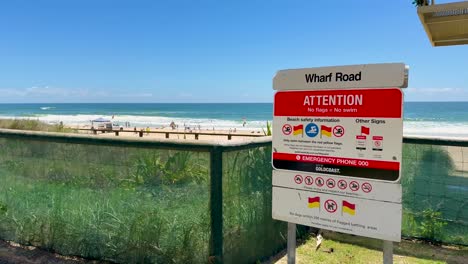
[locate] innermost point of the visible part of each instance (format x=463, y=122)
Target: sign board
x=339, y=132
x=356, y=216
x=337, y=148
x=323, y=183
x=354, y=76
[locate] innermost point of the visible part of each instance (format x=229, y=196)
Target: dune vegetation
x=34, y=125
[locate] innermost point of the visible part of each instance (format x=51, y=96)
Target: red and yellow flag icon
x=314, y=202
x=348, y=208
x=325, y=131
x=297, y=130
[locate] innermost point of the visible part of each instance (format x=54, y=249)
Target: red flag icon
x=365, y=130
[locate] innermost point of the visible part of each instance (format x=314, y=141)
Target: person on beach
x=173, y=125
x=148, y=130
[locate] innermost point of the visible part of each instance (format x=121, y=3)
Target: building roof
x=445, y=24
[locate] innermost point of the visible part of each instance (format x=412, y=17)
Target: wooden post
x=167, y=134
x=196, y=136
x=229, y=137
x=116, y=133
x=141, y=133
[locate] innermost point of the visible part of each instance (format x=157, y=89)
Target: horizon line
x=194, y=102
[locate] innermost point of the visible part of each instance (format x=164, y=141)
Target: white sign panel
x=354, y=76
x=381, y=220
x=365, y=189
x=356, y=133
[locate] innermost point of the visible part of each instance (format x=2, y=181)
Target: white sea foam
x=151, y=121
x=410, y=127
x=47, y=107
x=429, y=128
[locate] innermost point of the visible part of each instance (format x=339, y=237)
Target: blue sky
x=208, y=51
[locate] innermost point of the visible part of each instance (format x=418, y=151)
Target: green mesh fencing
x=124, y=204
x=103, y=199
x=249, y=231
x=435, y=192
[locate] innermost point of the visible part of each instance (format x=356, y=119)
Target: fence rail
x=196, y=134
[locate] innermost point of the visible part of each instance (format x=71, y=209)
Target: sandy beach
x=181, y=134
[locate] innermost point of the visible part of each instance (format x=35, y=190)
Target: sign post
x=337, y=143
x=291, y=243
x=387, y=252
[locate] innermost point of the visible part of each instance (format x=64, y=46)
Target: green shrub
x=432, y=224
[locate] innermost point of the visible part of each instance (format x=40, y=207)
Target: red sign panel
x=339, y=103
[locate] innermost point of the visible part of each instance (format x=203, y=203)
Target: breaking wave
x=410, y=127
x=151, y=121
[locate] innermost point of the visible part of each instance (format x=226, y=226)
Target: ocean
x=449, y=119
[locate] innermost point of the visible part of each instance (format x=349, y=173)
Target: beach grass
x=81, y=200
x=249, y=230
x=125, y=226
x=134, y=204
x=34, y=125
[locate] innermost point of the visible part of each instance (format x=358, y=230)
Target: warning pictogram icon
x=331, y=183
x=298, y=179
x=319, y=181
x=330, y=205
x=366, y=187
x=287, y=129
x=338, y=131
x=354, y=186
x=342, y=184
x=309, y=180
